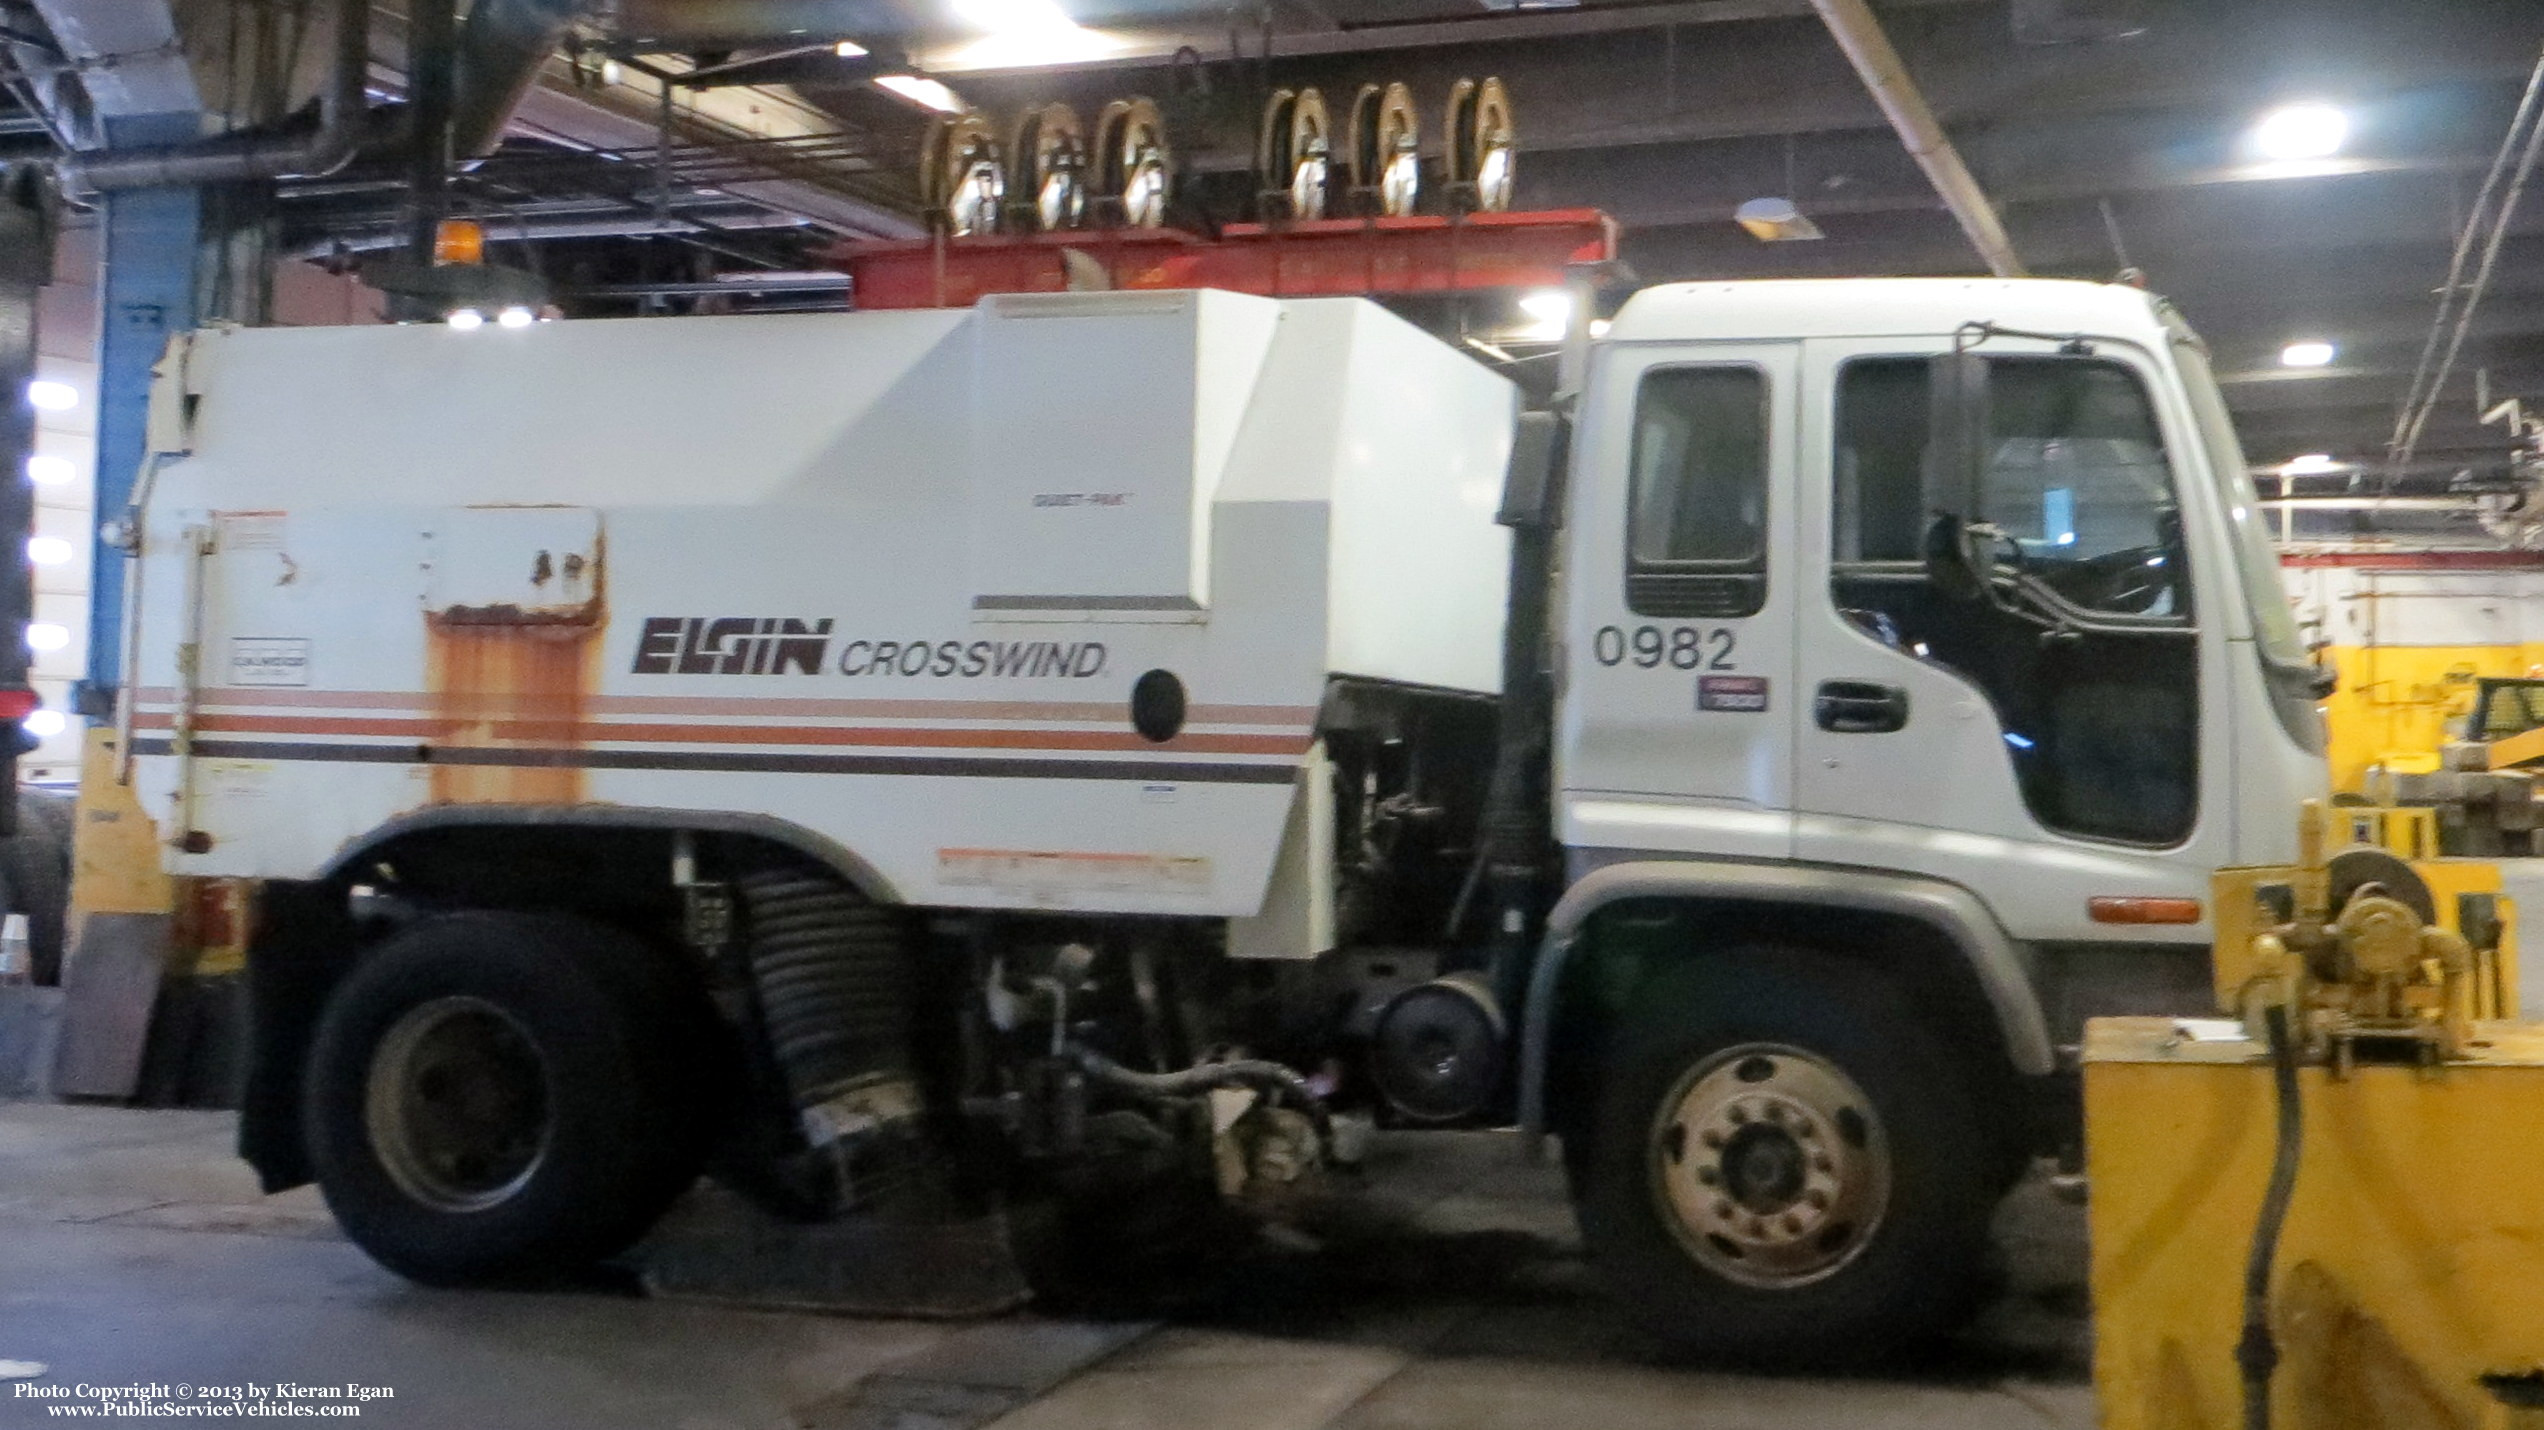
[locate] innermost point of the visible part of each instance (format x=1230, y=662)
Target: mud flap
x=715, y=1246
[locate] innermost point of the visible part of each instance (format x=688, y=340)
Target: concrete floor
x=134, y=1249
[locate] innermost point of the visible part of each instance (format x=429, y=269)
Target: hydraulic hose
x=2257, y=1353
x=1256, y=1073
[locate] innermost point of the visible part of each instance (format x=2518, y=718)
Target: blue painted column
x=146, y=294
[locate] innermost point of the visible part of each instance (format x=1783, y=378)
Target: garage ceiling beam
x=1885, y=76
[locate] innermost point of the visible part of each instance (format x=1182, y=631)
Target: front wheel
x=1784, y=1165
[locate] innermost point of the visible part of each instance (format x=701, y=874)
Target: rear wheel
x=497, y=1096
x=1784, y=1166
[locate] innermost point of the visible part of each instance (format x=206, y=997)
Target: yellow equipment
x=2360, y=1142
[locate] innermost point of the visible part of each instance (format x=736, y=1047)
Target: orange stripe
x=275, y=698
x=594, y=732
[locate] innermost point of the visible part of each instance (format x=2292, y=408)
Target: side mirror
x=1532, y=488
x=1957, y=448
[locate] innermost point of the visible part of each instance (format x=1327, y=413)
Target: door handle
x=1860, y=707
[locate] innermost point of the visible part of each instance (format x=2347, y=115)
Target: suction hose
x=2257, y=1353
x=833, y=977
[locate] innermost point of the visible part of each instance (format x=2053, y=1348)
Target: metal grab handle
x=1860, y=707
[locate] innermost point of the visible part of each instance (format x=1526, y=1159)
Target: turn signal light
x=2111, y=909
x=459, y=240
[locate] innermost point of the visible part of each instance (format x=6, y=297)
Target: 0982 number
x=1678, y=647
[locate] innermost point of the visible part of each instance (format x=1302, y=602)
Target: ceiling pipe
x=250, y=154
x=502, y=47
x=1851, y=24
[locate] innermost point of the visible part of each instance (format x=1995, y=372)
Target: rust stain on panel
x=507, y=677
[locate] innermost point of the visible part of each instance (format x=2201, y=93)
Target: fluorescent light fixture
x=611, y=73
x=1775, y=221
x=2301, y=131
x=2311, y=464
x=45, y=724
x=2307, y=354
x=48, y=550
x=1019, y=34
x=466, y=320
x=849, y=50
x=52, y=396
x=516, y=316
x=1598, y=327
x=1549, y=310
x=49, y=471
x=44, y=635
x=1010, y=16
x=926, y=93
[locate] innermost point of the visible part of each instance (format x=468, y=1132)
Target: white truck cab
x=798, y=747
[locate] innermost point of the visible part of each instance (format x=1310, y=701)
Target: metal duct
x=1851, y=24
x=250, y=154
x=726, y=24
x=502, y=46
x=734, y=219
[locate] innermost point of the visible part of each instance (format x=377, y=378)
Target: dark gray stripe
x=1161, y=772
x=1085, y=603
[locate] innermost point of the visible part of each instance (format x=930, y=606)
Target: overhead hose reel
x=832, y=971
x=1480, y=146
x=1133, y=165
x=1384, y=151
x=1294, y=154
x=1047, y=162
x=962, y=180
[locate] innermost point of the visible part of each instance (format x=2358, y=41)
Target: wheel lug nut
x=1739, y=1115
x=1708, y=1176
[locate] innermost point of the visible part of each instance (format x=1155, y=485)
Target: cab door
x=2040, y=740
x=1676, y=732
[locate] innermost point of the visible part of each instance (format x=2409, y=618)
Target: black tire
x=1912, y=1268
x=591, y=1027
x=35, y=878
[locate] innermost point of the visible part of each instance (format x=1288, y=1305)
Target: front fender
x=1994, y=958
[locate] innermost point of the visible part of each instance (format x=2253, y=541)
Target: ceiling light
x=2311, y=464
x=48, y=550
x=516, y=316
x=1598, y=327
x=45, y=635
x=2307, y=354
x=466, y=320
x=926, y=93
x=1775, y=221
x=45, y=724
x=1008, y=16
x=49, y=471
x=1549, y=311
x=52, y=396
x=2301, y=131
x=611, y=73
x=848, y=50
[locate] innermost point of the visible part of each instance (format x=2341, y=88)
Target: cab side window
x=1696, y=533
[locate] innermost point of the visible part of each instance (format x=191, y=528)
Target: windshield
x=2256, y=562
